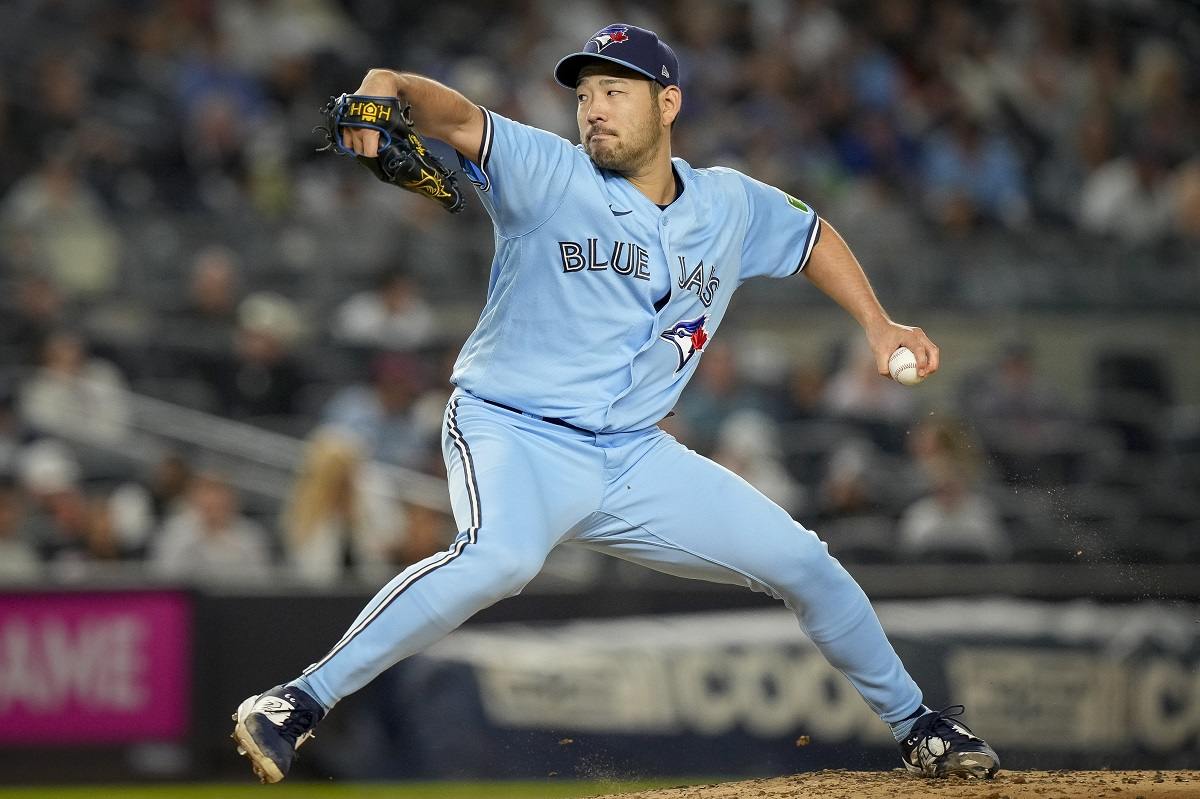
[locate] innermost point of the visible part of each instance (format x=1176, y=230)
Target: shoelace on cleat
x=940, y=727
x=299, y=725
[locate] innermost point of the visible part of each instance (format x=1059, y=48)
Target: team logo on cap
x=688, y=336
x=613, y=34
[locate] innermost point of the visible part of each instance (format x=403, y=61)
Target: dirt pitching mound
x=897, y=784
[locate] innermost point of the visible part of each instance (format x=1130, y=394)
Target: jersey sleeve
x=780, y=234
x=522, y=175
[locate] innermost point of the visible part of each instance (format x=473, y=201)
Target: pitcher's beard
x=625, y=157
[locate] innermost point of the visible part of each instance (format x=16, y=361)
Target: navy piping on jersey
x=662, y=301
x=814, y=236
x=485, y=145
x=678, y=191
x=464, y=452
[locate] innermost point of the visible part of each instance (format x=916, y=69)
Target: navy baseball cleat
x=271, y=727
x=940, y=746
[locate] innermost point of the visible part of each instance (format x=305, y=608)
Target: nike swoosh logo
x=615, y=212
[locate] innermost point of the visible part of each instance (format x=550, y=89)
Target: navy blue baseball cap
x=628, y=45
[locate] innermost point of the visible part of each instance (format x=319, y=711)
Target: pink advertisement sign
x=94, y=667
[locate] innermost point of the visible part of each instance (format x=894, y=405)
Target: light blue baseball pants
x=521, y=486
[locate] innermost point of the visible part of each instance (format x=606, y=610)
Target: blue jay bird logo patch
x=688, y=336
x=613, y=34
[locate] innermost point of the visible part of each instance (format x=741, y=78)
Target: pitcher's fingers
x=882, y=356
x=922, y=352
x=935, y=359
x=369, y=143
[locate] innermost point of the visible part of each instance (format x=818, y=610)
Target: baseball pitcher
x=614, y=266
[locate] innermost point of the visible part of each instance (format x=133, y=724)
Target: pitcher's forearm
x=438, y=111
x=835, y=271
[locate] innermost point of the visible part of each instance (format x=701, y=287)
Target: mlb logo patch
x=689, y=337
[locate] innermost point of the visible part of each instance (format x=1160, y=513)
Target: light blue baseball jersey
x=599, y=302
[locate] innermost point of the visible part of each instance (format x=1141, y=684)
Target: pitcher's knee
x=510, y=570
x=805, y=562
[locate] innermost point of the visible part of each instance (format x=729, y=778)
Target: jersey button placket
x=665, y=241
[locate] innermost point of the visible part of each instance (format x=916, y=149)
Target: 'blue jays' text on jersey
x=599, y=302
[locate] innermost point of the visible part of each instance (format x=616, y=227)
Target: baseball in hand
x=903, y=367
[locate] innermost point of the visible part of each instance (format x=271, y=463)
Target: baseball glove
x=403, y=158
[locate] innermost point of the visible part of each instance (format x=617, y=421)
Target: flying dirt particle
x=803, y=740
x=566, y=741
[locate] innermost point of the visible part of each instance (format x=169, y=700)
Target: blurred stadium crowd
x=166, y=228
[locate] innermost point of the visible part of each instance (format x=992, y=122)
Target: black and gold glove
x=403, y=158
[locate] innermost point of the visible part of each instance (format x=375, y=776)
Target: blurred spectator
x=848, y=488
x=394, y=316
x=52, y=220
x=37, y=309
x=261, y=377
x=10, y=151
x=49, y=473
x=209, y=539
x=18, y=558
x=748, y=445
x=216, y=99
x=12, y=436
x=46, y=466
x=858, y=391
x=426, y=531
x=168, y=485
x=209, y=319
x=1009, y=389
x=1129, y=198
x=260, y=35
x=1132, y=396
x=60, y=524
x=1069, y=160
x=139, y=508
x=954, y=521
x=104, y=540
x=1185, y=201
x=341, y=515
x=66, y=525
x=801, y=396
x=75, y=396
x=971, y=173
x=383, y=414
x=716, y=392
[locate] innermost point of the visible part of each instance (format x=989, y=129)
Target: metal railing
x=257, y=461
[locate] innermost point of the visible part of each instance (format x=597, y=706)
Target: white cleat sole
x=264, y=768
x=968, y=766
x=974, y=765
